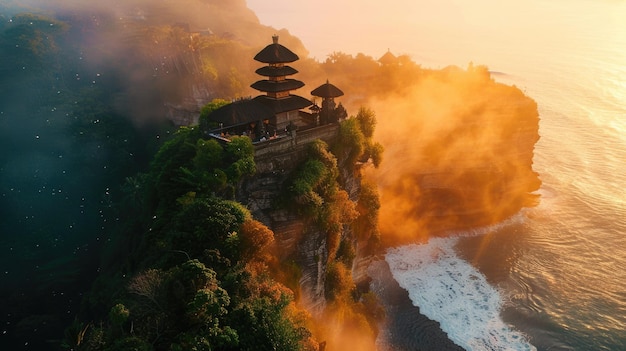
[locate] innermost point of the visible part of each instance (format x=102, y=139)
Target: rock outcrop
x=296, y=239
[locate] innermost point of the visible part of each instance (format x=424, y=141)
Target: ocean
x=551, y=277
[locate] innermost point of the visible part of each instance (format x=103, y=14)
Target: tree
x=255, y=238
x=206, y=110
x=339, y=283
x=208, y=223
x=338, y=58
x=118, y=315
x=148, y=285
x=208, y=154
x=267, y=325
x=240, y=154
x=373, y=152
x=352, y=140
x=367, y=121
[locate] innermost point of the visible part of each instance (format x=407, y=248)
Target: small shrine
x=388, y=59
x=328, y=93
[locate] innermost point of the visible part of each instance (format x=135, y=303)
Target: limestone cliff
x=298, y=239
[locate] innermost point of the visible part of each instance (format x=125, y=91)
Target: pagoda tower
x=277, y=87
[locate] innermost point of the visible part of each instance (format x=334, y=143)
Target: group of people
x=266, y=131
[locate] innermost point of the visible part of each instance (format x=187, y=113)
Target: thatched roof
x=277, y=86
x=388, y=58
x=271, y=71
x=276, y=53
x=241, y=112
x=327, y=90
x=291, y=103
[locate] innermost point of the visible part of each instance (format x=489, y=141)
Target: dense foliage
x=356, y=136
x=193, y=262
x=317, y=189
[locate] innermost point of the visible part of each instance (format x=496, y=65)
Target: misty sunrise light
x=442, y=32
x=464, y=190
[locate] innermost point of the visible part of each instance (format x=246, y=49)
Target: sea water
x=453, y=292
x=553, y=278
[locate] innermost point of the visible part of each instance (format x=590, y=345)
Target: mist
x=458, y=154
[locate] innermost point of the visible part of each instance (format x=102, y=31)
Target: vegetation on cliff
x=317, y=188
x=192, y=269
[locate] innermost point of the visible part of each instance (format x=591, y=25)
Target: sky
x=366, y=26
x=372, y=27
x=437, y=33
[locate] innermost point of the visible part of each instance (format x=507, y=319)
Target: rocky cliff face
x=297, y=238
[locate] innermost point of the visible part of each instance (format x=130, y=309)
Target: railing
x=286, y=143
x=285, y=152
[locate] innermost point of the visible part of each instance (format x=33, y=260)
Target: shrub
x=374, y=152
x=339, y=284
x=367, y=121
x=208, y=154
x=345, y=253
x=255, y=238
x=368, y=203
x=240, y=147
x=119, y=314
x=206, y=110
x=318, y=149
x=352, y=140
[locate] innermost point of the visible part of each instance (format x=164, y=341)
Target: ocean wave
x=452, y=292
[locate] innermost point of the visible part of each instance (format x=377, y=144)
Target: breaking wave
x=451, y=291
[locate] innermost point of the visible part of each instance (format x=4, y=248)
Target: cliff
x=298, y=238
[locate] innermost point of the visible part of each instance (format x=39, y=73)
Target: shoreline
x=404, y=327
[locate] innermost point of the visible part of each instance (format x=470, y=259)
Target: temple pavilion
x=388, y=59
x=278, y=111
x=271, y=114
x=328, y=92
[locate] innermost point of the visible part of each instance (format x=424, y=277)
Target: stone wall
x=284, y=153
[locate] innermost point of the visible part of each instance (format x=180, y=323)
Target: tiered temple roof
x=277, y=114
x=278, y=87
x=326, y=91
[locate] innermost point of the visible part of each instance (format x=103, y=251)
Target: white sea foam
x=452, y=292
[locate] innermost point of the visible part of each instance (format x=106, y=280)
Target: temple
x=277, y=114
x=277, y=86
x=388, y=59
x=328, y=113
